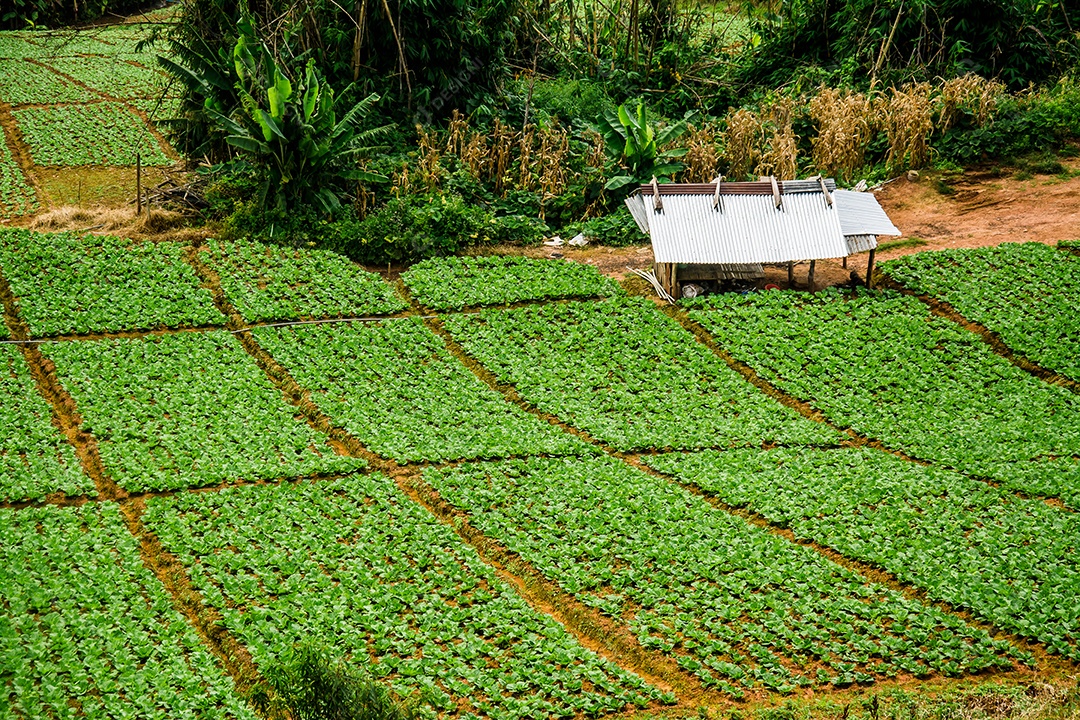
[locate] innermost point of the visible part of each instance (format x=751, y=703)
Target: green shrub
x=313, y=686
x=617, y=229
x=569, y=99
x=519, y=230
x=418, y=226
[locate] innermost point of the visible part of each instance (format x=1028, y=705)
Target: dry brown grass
x=114, y=220
x=742, y=143
x=970, y=93
x=908, y=116
x=845, y=125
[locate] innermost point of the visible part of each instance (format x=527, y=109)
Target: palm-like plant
x=637, y=146
x=291, y=131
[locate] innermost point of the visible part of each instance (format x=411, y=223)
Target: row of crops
x=607, y=479
x=77, y=99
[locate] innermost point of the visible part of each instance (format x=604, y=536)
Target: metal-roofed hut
x=726, y=230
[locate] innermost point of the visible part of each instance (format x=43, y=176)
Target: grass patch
x=901, y=243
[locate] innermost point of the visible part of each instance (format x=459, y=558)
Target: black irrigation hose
x=247, y=329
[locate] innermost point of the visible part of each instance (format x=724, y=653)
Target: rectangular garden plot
x=395, y=387
x=453, y=283
x=1026, y=293
x=628, y=375
x=17, y=196
x=66, y=283
x=1012, y=561
x=882, y=365
x=89, y=632
x=35, y=459
x=15, y=46
x=103, y=133
x=355, y=565
x=188, y=410
x=23, y=81
x=735, y=605
x=112, y=76
x=273, y=282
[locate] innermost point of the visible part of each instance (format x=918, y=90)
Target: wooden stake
x=845, y=262
x=790, y=274
x=138, y=184
x=810, y=277
x=870, y=270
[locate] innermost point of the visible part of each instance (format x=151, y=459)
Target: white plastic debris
x=554, y=242
x=579, y=241
x=691, y=290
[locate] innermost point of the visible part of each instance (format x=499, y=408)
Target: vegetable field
x=882, y=365
x=628, y=375
x=78, y=100
x=565, y=506
x=1026, y=293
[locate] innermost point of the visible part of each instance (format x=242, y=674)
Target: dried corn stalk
x=500, y=154
x=428, y=167
x=701, y=157
x=475, y=154
x=597, y=156
x=456, y=132
x=845, y=126
x=781, y=154
x=742, y=142
x=908, y=118
x=525, y=150
x=970, y=93
x=551, y=161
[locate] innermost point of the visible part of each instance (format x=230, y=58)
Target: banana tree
x=294, y=133
x=637, y=146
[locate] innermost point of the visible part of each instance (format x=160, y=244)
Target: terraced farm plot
x=157, y=108
x=15, y=46
x=882, y=365
x=35, y=459
x=188, y=410
x=103, y=133
x=628, y=375
x=17, y=196
x=1026, y=293
x=453, y=283
x=67, y=43
x=394, y=386
x=112, y=76
x=23, y=82
x=89, y=632
x=1013, y=562
x=69, y=283
x=357, y=566
x=735, y=605
x=273, y=282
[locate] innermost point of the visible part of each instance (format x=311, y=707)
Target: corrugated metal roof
x=859, y=243
x=860, y=214
x=636, y=204
x=747, y=229
x=758, y=187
